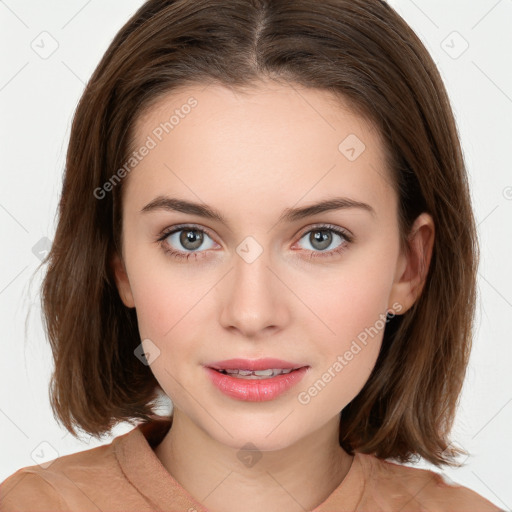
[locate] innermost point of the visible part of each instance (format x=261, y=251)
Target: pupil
x=193, y=237
x=322, y=237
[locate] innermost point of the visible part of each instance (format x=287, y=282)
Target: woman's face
x=258, y=272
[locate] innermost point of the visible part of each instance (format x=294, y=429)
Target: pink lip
x=252, y=390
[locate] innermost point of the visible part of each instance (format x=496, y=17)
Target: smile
x=256, y=374
x=255, y=385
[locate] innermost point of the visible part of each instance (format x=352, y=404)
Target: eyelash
x=198, y=255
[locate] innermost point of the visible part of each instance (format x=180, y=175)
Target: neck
x=295, y=478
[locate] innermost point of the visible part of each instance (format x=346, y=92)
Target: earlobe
x=413, y=266
x=122, y=282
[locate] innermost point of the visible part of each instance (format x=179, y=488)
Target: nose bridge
x=254, y=300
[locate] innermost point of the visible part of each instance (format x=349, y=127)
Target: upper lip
x=254, y=364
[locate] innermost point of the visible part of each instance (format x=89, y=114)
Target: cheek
x=166, y=294
x=352, y=307
x=172, y=306
x=345, y=359
x=170, y=313
x=352, y=299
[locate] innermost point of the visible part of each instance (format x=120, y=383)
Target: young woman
x=265, y=216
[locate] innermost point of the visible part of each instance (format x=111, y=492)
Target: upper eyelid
x=327, y=227
x=182, y=227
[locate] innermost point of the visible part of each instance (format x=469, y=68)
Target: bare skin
x=250, y=156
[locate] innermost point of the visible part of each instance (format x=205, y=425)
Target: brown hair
x=361, y=50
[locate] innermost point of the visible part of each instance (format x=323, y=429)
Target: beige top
x=126, y=475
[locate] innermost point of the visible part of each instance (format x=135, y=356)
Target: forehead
x=277, y=105
x=268, y=141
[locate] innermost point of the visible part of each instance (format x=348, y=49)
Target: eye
x=185, y=242
x=322, y=237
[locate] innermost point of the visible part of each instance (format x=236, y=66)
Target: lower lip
x=255, y=390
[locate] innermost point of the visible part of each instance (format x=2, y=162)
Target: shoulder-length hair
x=361, y=50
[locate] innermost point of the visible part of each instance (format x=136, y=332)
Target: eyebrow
x=289, y=214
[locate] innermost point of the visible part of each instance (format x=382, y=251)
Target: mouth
x=255, y=380
x=259, y=374
x=264, y=364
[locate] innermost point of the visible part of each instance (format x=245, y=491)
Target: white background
x=37, y=100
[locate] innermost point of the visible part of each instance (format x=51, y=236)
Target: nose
x=254, y=298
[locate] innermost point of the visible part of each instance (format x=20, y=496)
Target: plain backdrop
x=471, y=43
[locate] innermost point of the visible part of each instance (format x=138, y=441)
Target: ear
x=412, y=267
x=122, y=282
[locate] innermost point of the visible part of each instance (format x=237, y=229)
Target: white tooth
x=257, y=374
x=263, y=373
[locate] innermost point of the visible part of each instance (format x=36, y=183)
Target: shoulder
x=390, y=484
x=64, y=483
x=26, y=490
